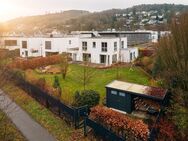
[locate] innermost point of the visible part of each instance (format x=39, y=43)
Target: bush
x=41, y=83
x=56, y=82
x=135, y=129
x=86, y=97
x=36, y=62
x=146, y=61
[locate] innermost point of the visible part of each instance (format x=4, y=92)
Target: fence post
x=47, y=104
x=85, y=127
x=75, y=117
x=59, y=109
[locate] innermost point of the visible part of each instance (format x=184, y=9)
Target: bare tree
x=172, y=66
x=64, y=64
x=86, y=74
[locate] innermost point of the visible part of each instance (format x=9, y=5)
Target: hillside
x=142, y=16
x=44, y=23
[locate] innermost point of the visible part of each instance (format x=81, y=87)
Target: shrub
x=36, y=62
x=166, y=130
x=120, y=123
x=56, y=83
x=86, y=97
x=41, y=83
x=146, y=61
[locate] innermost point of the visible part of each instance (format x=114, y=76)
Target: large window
x=115, y=46
x=24, y=44
x=94, y=44
x=104, y=47
x=103, y=59
x=10, y=42
x=48, y=45
x=122, y=44
x=70, y=42
x=84, y=46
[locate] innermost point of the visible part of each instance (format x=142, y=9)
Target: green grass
x=98, y=82
x=56, y=126
x=8, y=131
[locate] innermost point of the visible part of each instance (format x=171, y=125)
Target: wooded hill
x=119, y=19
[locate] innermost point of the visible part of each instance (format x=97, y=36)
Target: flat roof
x=142, y=90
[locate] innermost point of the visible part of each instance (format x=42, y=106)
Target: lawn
x=98, y=82
x=56, y=126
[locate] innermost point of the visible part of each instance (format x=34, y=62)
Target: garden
x=96, y=79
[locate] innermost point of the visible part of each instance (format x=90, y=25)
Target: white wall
x=68, y=44
x=32, y=44
x=2, y=43
x=96, y=52
x=126, y=54
x=57, y=45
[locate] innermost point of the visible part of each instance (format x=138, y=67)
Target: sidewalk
x=27, y=126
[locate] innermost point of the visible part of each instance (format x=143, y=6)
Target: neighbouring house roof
x=141, y=90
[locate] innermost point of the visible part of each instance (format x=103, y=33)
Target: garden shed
x=128, y=97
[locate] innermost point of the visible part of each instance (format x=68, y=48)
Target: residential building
x=90, y=47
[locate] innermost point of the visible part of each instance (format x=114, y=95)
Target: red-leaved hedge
x=133, y=128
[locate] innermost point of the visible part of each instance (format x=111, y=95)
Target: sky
x=10, y=9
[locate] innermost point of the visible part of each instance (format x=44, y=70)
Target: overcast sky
x=15, y=8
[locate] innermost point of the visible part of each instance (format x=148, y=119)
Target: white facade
x=101, y=50
x=128, y=55
x=85, y=47
x=10, y=43
x=36, y=46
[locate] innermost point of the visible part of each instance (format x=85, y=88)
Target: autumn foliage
x=120, y=123
x=36, y=62
x=166, y=130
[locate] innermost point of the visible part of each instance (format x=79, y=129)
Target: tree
x=56, y=83
x=57, y=86
x=85, y=74
x=87, y=97
x=64, y=63
x=173, y=55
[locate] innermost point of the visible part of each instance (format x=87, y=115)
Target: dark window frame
x=84, y=46
x=104, y=47
x=24, y=44
x=48, y=45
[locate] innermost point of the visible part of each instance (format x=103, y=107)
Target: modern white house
x=101, y=50
x=42, y=46
x=81, y=47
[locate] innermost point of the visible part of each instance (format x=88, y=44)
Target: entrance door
x=103, y=59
